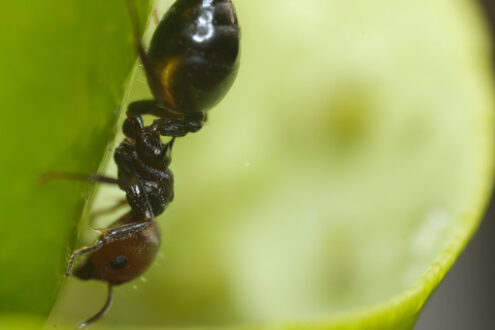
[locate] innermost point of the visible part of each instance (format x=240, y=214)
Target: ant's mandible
x=190, y=65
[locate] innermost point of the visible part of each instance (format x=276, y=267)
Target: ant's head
x=122, y=260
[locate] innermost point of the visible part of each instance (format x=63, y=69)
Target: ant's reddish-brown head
x=124, y=260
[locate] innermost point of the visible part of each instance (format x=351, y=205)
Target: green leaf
x=64, y=64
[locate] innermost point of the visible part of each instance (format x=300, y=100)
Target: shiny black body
x=143, y=173
x=195, y=52
x=191, y=63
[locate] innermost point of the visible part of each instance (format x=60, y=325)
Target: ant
x=191, y=63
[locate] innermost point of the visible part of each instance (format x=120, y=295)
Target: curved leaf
x=62, y=76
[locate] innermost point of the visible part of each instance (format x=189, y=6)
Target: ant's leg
x=143, y=107
x=153, y=81
x=107, y=237
x=82, y=251
x=48, y=177
x=116, y=206
x=176, y=128
x=130, y=182
x=138, y=200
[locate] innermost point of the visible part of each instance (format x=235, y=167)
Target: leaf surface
x=62, y=73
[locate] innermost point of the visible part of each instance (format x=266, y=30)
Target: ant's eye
x=119, y=262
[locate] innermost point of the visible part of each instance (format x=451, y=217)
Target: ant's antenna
x=153, y=81
x=102, y=311
x=134, y=19
x=85, y=250
x=52, y=176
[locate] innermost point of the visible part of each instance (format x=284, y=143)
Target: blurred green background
x=334, y=186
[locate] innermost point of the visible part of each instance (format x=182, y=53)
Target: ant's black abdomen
x=195, y=52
